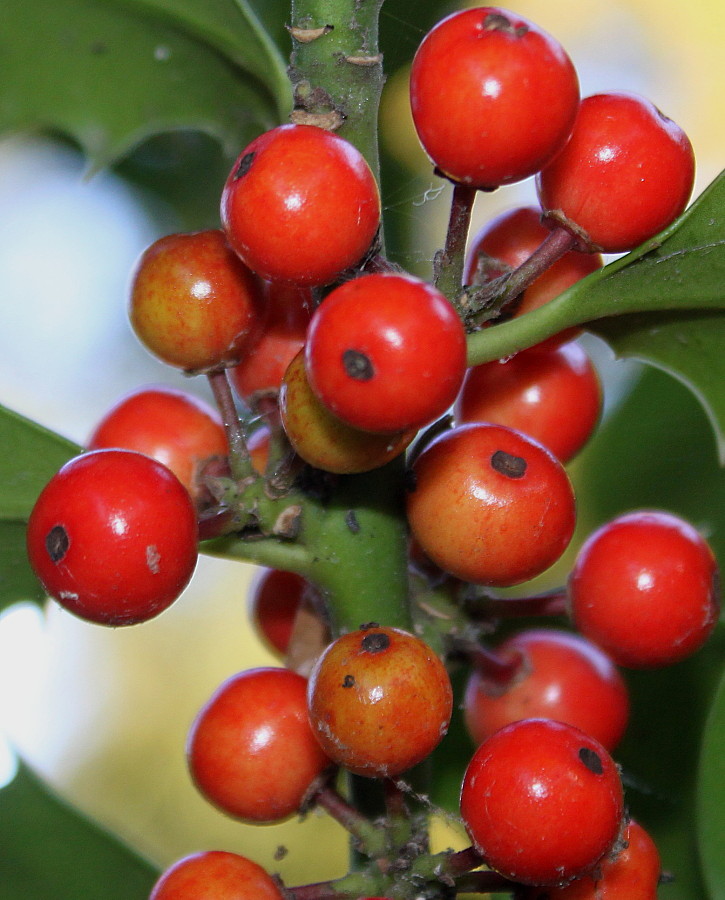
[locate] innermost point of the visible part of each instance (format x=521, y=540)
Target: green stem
x=352, y=544
x=358, y=544
x=337, y=69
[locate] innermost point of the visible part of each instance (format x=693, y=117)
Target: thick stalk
x=336, y=69
x=359, y=541
x=351, y=543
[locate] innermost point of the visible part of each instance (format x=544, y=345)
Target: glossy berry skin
x=380, y=701
x=288, y=310
x=645, y=587
x=274, y=598
x=193, y=303
x=552, y=394
x=251, y=751
x=510, y=99
x=631, y=873
x=542, y=802
x=489, y=505
x=172, y=426
x=323, y=440
x=626, y=173
x=215, y=875
x=113, y=537
x=560, y=676
x=511, y=238
x=386, y=353
x=317, y=198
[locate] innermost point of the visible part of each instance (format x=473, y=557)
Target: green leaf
x=656, y=451
x=50, y=850
x=110, y=74
x=663, y=303
x=688, y=345
x=711, y=798
x=29, y=456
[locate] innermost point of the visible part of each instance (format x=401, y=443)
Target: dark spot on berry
x=57, y=543
x=351, y=521
x=245, y=164
x=357, y=365
x=508, y=465
x=280, y=852
x=375, y=642
x=591, y=760
x=348, y=681
x=498, y=22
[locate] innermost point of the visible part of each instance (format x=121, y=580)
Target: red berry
x=626, y=173
x=489, y=505
x=493, y=96
x=559, y=676
x=215, y=875
x=552, y=394
x=274, y=599
x=380, y=701
x=323, y=440
x=113, y=537
x=511, y=238
x=631, y=872
x=251, y=751
x=300, y=205
x=386, y=353
x=542, y=801
x=288, y=312
x=645, y=587
x=194, y=304
x=172, y=426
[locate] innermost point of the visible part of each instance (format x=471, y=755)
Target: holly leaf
x=655, y=451
x=663, y=303
x=29, y=456
x=109, y=75
x=711, y=798
x=49, y=849
x=687, y=345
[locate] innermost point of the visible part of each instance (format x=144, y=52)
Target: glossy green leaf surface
x=711, y=797
x=657, y=451
x=663, y=303
x=111, y=74
x=687, y=345
x=49, y=850
x=29, y=456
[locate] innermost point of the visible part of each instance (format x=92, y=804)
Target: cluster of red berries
x=345, y=359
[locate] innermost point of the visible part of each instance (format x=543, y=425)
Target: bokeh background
x=104, y=713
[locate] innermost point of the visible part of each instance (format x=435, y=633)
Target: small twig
x=484, y=606
x=494, y=666
x=449, y=262
x=370, y=839
x=487, y=301
x=239, y=459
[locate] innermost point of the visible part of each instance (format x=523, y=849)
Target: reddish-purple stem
x=486, y=607
x=239, y=454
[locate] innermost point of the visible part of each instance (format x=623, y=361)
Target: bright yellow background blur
x=108, y=714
